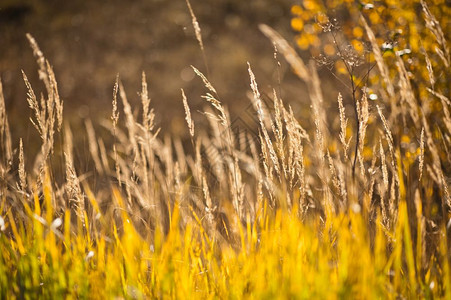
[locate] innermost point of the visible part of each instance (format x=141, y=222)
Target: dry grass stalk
x=48, y=111
x=5, y=133
x=198, y=167
x=406, y=91
x=265, y=138
x=421, y=230
x=178, y=182
x=188, y=118
x=342, y=184
x=445, y=103
x=73, y=189
x=115, y=119
x=208, y=202
x=214, y=122
x=319, y=139
x=104, y=156
x=195, y=25
x=384, y=167
x=125, y=170
x=319, y=118
x=168, y=159
x=236, y=187
x=261, y=106
x=256, y=94
x=43, y=75
x=333, y=173
x=383, y=203
x=442, y=98
x=117, y=167
x=442, y=55
x=129, y=186
x=255, y=156
x=223, y=116
x=434, y=26
x=446, y=200
x=92, y=143
x=148, y=114
x=429, y=67
x=3, y=115
x=215, y=159
x=47, y=146
x=296, y=168
x=256, y=170
x=388, y=136
x=268, y=168
x=432, y=148
x=207, y=83
x=432, y=173
x=54, y=96
x=343, y=126
x=22, y=173
x=68, y=143
x=291, y=172
x=421, y=157
x=316, y=96
x=44, y=123
x=372, y=171
x=115, y=113
x=392, y=201
x=379, y=59
x=181, y=158
x=144, y=172
x=130, y=122
x=290, y=120
x=300, y=171
x=145, y=100
x=363, y=115
x=33, y=103
x=277, y=129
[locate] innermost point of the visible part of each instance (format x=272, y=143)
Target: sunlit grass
x=349, y=204
x=279, y=257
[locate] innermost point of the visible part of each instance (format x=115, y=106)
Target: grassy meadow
x=352, y=202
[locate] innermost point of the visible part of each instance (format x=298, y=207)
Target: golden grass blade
x=421, y=156
x=22, y=173
x=43, y=75
x=434, y=26
x=196, y=26
x=188, y=119
x=207, y=83
x=4, y=127
x=343, y=126
x=379, y=60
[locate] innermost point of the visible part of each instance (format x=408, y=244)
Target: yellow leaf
x=296, y=10
x=358, y=46
x=357, y=32
x=374, y=17
x=303, y=42
x=297, y=24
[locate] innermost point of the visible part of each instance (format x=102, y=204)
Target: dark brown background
x=89, y=42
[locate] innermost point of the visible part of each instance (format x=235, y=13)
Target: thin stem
x=354, y=87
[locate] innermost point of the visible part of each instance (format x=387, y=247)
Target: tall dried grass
x=214, y=207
